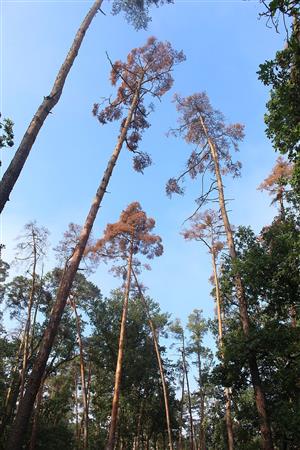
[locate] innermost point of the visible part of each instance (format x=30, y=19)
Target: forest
x=103, y=345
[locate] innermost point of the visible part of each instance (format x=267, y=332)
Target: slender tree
x=159, y=359
x=178, y=331
x=207, y=228
x=31, y=250
x=147, y=71
x=198, y=326
x=84, y=389
x=205, y=128
x=125, y=239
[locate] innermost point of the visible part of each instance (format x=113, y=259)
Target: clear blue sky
x=224, y=43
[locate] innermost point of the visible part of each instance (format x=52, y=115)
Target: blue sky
x=224, y=43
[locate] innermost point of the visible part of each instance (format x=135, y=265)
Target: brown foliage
x=206, y=227
x=198, y=122
x=132, y=231
x=147, y=70
x=275, y=184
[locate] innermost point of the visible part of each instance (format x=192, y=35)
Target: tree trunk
x=228, y=419
x=27, y=330
x=118, y=375
x=180, y=446
x=12, y=392
x=227, y=395
x=159, y=360
x=260, y=400
x=82, y=375
x=136, y=440
x=14, y=169
x=76, y=409
x=26, y=405
x=189, y=394
x=32, y=444
x=32, y=336
x=202, y=404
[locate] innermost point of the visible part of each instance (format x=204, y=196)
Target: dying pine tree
x=205, y=128
x=147, y=71
x=276, y=183
x=125, y=240
x=207, y=227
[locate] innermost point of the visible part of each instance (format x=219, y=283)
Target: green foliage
x=269, y=266
x=282, y=75
x=137, y=11
x=7, y=134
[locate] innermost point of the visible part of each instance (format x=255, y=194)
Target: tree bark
x=159, y=360
x=32, y=444
x=267, y=442
x=14, y=169
x=26, y=405
x=118, y=375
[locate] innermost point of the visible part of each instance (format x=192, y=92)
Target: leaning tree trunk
x=83, y=382
x=266, y=434
x=118, y=375
x=227, y=395
x=159, y=360
x=14, y=169
x=26, y=405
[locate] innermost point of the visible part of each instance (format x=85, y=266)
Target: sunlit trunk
x=14, y=169
x=118, y=374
